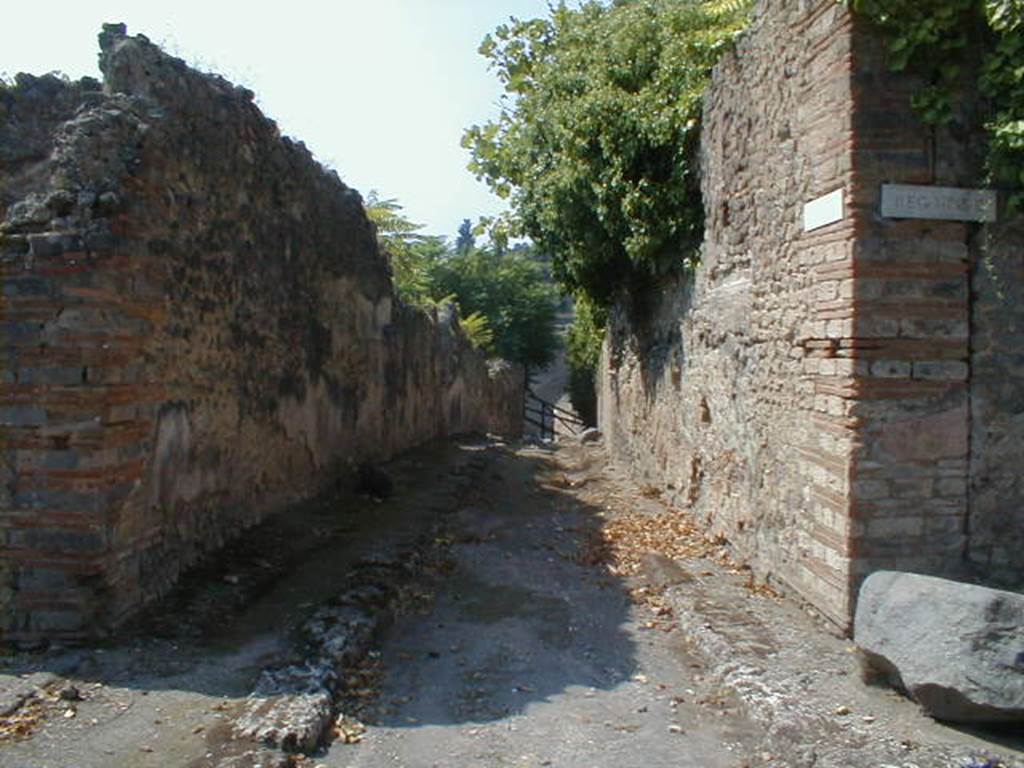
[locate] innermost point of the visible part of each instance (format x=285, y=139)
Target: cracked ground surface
x=563, y=617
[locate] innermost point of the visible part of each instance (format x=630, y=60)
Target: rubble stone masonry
x=198, y=330
x=843, y=399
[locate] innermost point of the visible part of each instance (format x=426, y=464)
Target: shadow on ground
x=527, y=612
x=514, y=614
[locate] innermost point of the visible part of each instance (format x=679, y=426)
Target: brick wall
x=199, y=330
x=911, y=334
x=831, y=402
x=733, y=400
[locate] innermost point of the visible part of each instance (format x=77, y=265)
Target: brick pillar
x=72, y=434
x=911, y=330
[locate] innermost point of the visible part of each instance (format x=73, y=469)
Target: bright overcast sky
x=381, y=90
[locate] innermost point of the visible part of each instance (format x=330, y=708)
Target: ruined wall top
x=69, y=149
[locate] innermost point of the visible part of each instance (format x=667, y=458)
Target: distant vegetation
x=506, y=301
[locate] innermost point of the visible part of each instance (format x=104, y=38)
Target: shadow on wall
x=647, y=329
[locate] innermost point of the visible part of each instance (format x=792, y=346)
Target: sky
x=379, y=90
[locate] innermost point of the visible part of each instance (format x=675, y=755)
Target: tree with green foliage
x=582, y=353
x=466, y=240
x=596, y=147
x=412, y=253
x=506, y=304
x=508, y=289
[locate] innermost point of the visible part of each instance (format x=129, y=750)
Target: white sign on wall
x=824, y=210
x=911, y=201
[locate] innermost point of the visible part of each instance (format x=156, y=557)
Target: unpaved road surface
x=562, y=617
x=529, y=655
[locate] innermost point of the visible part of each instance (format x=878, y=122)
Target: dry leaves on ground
x=359, y=702
x=627, y=534
x=348, y=730
x=622, y=542
x=23, y=721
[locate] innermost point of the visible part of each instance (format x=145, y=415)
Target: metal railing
x=545, y=416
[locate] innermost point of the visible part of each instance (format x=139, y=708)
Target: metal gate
x=544, y=415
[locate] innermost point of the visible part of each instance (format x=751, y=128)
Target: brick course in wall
x=911, y=333
x=199, y=330
x=839, y=400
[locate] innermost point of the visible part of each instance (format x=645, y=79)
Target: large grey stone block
x=957, y=649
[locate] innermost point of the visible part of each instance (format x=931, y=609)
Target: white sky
x=380, y=90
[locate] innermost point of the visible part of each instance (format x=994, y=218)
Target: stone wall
x=996, y=493
x=830, y=401
x=729, y=400
x=199, y=330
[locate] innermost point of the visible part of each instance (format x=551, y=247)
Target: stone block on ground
x=292, y=706
x=294, y=722
x=957, y=649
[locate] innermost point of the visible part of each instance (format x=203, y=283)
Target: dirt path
x=558, y=616
x=530, y=655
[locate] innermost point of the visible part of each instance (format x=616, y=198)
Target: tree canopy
x=595, y=147
x=511, y=291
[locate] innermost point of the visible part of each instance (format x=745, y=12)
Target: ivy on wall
x=932, y=38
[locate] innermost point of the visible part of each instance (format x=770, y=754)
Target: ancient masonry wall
x=843, y=399
x=198, y=330
x=995, y=494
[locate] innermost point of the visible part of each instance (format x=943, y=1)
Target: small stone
x=675, y=728
x=60, y=202
x=842, y=711
x=108, y=203
x=70, y=693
